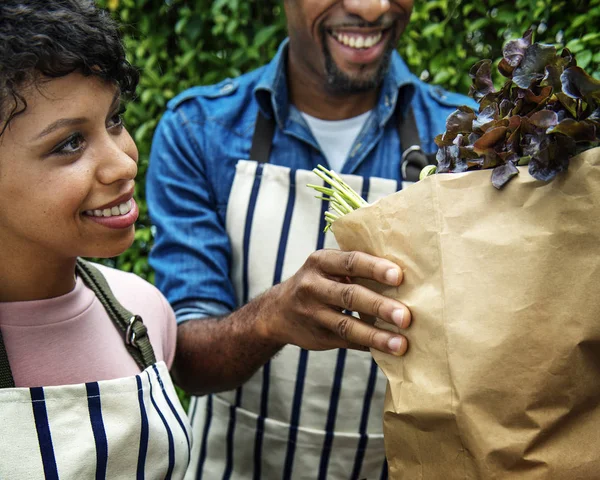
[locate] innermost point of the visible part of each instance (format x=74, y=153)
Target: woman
x=85, y=386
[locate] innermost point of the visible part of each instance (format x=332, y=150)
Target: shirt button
x=226, y=88
x=440, y=93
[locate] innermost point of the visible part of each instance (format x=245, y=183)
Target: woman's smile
x=123, y=215
x=69, y=168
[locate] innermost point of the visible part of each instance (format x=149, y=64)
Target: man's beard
x=338, y=82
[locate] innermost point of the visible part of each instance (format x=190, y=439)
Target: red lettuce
x=546, y=112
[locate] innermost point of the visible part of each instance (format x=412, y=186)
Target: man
x=226, y=190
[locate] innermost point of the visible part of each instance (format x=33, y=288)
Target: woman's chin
x=112, y=249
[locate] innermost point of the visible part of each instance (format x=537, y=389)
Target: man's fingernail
x=391, y=276
x=398, y=317
x=395, y=344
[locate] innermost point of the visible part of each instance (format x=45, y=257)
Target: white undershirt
x=336, y=137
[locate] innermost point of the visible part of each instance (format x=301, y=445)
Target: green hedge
x=181, y=43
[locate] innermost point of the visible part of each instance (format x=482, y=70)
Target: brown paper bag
x=502, y=375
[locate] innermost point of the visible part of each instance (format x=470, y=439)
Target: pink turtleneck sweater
x=70, y=339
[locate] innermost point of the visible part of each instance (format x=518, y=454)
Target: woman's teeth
x=122, y=209
x=357, y=41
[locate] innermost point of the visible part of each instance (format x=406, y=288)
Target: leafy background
x=181, y=43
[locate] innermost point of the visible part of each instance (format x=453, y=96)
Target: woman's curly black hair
x=42, y=39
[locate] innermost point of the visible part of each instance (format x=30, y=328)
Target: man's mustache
x=354, y=21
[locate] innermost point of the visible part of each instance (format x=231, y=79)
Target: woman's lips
x=115, y=220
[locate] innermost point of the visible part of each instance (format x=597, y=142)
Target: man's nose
x=369, y=10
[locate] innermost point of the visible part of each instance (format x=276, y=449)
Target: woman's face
x=67, y=169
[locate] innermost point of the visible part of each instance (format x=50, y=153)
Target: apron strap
x=264, y=130
x=6, y=378
x=132, y=326
x=413, y=157
x=136, y=334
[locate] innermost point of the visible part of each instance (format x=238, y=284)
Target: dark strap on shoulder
x=413, y=158
x=134, y=330
x=132, y=326
x=262, y=140
x=6, y=378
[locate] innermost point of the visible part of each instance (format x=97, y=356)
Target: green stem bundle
x=341, y=197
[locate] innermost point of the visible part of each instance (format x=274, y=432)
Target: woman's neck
x=26, y=279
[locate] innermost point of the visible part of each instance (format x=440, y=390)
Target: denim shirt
x=207, y=129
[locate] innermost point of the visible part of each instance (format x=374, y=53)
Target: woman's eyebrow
x=63, y=122
x=71, y=122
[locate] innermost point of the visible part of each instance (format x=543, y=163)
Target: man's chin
x=343, y=85
x=343, y=82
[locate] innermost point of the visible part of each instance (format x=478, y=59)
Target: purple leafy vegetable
x=546, y=112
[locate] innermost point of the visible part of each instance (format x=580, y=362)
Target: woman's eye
x=116, y=121
x=74, y=144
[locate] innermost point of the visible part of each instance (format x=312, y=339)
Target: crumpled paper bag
x=502, y=375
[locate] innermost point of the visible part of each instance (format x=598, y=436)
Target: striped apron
x=131, y=427
x=304, y=415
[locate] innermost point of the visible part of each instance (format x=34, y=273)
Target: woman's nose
x=369, y=10
x=117, y=160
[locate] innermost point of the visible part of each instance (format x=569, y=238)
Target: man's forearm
x=218, y=354
x=307, y=310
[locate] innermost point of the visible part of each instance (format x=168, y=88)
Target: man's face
x=347, y=44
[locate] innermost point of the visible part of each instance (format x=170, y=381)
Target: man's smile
x=357, y=46
x=357, y=40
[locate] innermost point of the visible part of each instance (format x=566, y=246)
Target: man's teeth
x=111, y=212
x=357, y=41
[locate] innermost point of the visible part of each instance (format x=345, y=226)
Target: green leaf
x=584, y=58
x=265, y=34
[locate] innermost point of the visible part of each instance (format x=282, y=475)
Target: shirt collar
x=272, y=96
x=398, y=84
x=271, y=92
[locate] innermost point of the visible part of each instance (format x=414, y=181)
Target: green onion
x=342, y=199
x=427, y=171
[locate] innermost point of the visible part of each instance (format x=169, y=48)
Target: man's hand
x=307, y=309
x=215, y=354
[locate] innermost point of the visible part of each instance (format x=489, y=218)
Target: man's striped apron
x=304, y=415
x=127, y=428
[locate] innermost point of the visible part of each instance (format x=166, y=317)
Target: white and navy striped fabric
x=126, y=428
x=305, y=415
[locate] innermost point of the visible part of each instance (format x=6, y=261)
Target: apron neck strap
x=132, y=327
x=413, y=157
x=6, y=378
x=264, y=130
